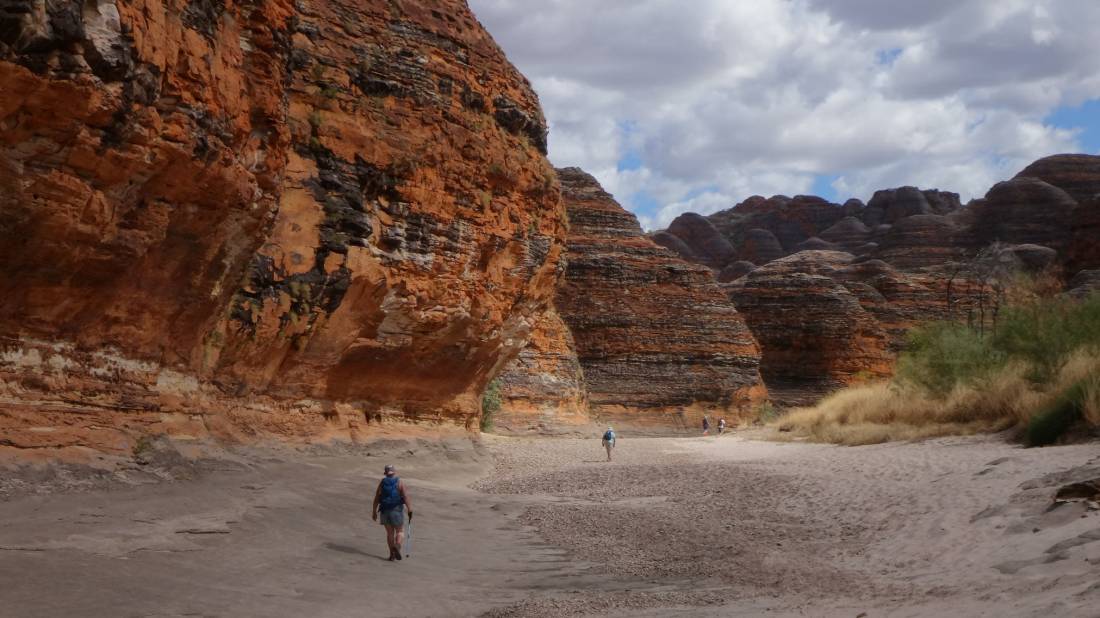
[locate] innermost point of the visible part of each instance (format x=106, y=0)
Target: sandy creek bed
x=521, y=527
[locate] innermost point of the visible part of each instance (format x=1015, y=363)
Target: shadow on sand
x=347, y=549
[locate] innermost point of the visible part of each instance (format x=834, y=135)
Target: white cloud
x=731, y=98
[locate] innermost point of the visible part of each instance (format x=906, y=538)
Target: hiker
x=721, y=426
x=391, y=500
x=706, y=425
x=609, y=441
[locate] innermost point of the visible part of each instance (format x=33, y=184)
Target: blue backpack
x=391, y=496
x=609, y=435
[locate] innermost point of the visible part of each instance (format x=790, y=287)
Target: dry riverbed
x=526, y=527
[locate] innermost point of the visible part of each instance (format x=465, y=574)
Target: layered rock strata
x=1084, y=250
x=813, y=331
x=908, y=256
x=1076, y=174
x=659, y=342
x=1022, y=211
x=825, y=319
x=892, y=205
x=543, y=389
x=702, y=240
x=238, y=219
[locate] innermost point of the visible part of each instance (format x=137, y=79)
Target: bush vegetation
x=491, y=402
x=1037, y=371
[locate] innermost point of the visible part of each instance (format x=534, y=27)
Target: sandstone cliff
x=657, y=339
x=290, y=217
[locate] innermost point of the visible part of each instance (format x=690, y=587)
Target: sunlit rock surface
x=287, y=218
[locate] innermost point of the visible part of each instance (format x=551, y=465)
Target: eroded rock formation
x=657, y=339
x=543, y=389
x=814, y=277
x=1076, y=174
x=892, y=205
x=1084, y=250
x=814, y=333
x=295, y=218
x=1023, y=210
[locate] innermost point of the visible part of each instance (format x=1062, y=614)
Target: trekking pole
x=409, y=539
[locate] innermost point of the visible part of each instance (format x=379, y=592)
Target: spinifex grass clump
x=1038, y=370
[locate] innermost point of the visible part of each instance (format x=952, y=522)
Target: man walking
x=706, y=425
x=391, y=500
x=609, y=441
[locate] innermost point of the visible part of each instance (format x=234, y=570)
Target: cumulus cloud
x=676, y=109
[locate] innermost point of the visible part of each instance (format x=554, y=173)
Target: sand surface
x=525, y=527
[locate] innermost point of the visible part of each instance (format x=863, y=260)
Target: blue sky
x=676, y=110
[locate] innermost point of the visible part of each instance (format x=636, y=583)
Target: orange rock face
x=295, y=218
x=657, y=339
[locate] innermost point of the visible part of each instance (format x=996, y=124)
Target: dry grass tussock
x=891, y=411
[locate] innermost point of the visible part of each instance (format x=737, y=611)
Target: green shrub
x=1045, y=333
x=1052, y=422
x=491, y=402
x=1042, y=334
x=943, y=355
x=767, y=412
x=143, y=445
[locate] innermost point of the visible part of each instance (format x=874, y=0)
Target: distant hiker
x=391, y=500
x=721, y=426
x=706, y=425
x=609, y=441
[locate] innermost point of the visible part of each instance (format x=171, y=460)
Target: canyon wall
x=658, y=342
x=241, y=219
x=543, y=389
